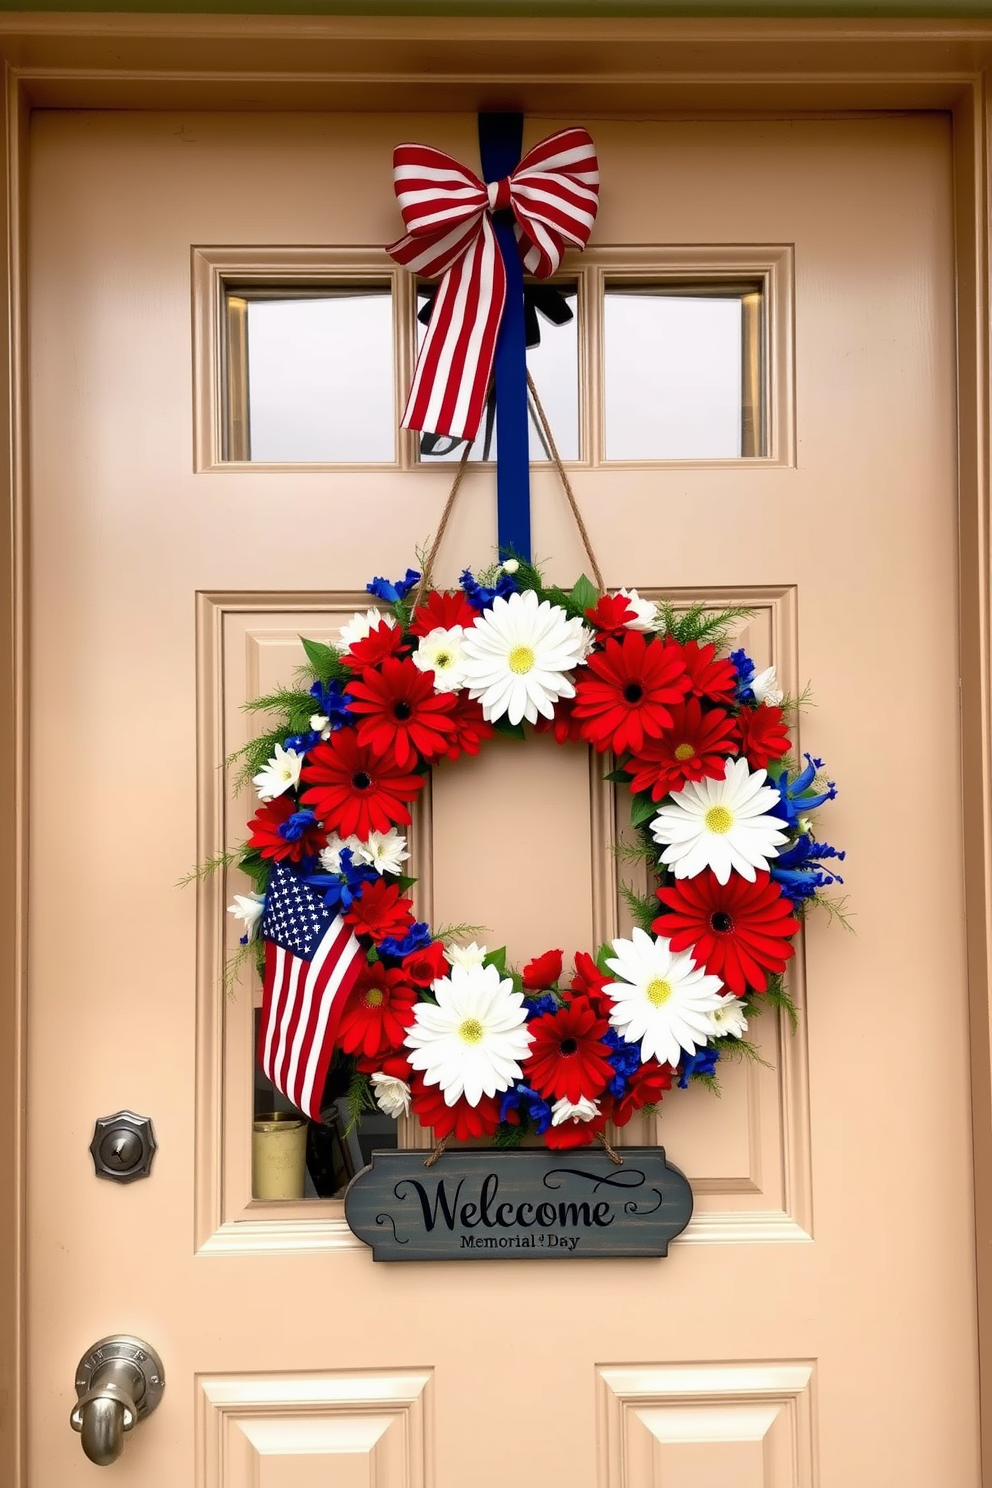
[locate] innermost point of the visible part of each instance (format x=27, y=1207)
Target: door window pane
x=682, y=370
x=554, y=366
x=311, y=375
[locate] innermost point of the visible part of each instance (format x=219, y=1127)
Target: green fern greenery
x=642, y=911
x=777, y=997
x=213, y=864
x=698, y=623
x=836, y=909
x=358, y=1098
x=448, y=934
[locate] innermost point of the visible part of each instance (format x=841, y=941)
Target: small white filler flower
x=248, y=909
x=581, y=1110
x=281, y=773
x=392, y=1096
x=765, y=687
x=384, y=851
x=442, y=652
x=662, y=1001
x=720, y=824
x=729, y=1020
x=330, y=858
x=471, y=1043
x=470, y=955
x=518, y=655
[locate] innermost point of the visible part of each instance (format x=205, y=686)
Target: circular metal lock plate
x=123, y=1146
x=123, y=1346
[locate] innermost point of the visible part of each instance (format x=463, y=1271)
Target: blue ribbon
x=500, y=147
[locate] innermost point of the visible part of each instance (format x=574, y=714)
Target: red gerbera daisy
x=469, y=724
x=610, y=615
x=278, y=836
x=567, y=1058
x=405, y=716
x=763, y=735
x=442, y=611
x=566, y=728
x=378, y=1012
x=379, y=911
x=542, y=972
x=628, y=695
x=590, y=981
x=738, y=931
x=710, y=676
x=695, y=747
x=353, y=791
x=382, y=640
x=425, y=966
x=460, y=1120
x=645, y=1088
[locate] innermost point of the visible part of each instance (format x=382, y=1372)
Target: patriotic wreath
x=414, y=1020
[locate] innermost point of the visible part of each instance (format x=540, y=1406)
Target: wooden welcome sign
x=518, y=1205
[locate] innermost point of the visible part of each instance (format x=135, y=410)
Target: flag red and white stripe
x=553, y=194
x=302, y=1003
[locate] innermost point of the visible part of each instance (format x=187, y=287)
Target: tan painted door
x=815, y=1324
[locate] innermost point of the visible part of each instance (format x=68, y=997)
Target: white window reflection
x=675, y=366
x=554, y=366
x=318, y=377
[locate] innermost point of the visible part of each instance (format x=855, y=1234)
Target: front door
x=815, y=1323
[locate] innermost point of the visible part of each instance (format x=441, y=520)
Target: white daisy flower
x=729, y=1020
x=321, y=725
x=765, y=687
x=383, y=851
x=441, y=652
x=392, y=1096
x=470, y=955
x=280, y=774
x=581, y=1110
x=645, y=616
x=471, y=1043
x=359, y=626
x=720, y=824
x=663, y=1001
x=517, y=655
x=248, y=909
x=330, y=858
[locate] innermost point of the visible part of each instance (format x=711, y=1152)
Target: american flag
x=311, y=962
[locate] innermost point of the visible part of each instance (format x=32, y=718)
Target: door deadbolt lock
x=119, y=1381
x=123, y=1146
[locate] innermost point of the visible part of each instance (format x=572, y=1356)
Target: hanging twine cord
x=613, y=1155
x=432, y=1158
x=556, y=460
x=567, y=484
x=425, y=579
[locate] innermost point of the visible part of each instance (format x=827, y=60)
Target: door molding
x=555, y=68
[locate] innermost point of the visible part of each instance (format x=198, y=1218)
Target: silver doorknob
x=119, y=1381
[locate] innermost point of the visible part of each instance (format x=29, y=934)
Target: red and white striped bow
x=553, y=193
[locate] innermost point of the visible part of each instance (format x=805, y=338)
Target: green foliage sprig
x=699, y=623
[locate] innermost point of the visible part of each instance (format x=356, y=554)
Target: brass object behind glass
x=278, y=1155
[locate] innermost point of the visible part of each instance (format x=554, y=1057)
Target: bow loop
x=446, y=209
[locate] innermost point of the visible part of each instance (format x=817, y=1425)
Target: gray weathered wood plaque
x=528, y=1204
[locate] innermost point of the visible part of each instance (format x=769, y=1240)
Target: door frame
x=669, y=68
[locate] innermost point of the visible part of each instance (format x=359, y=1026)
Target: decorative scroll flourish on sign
x=525, y=1205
